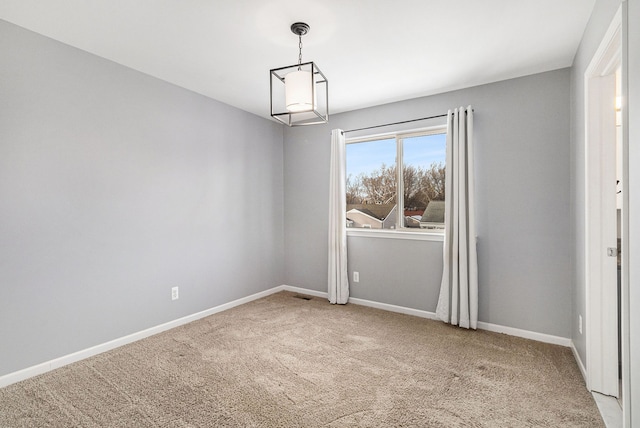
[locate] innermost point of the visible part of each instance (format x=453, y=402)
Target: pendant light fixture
x=299, y=92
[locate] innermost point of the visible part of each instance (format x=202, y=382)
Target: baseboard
x=526, y=334
x=393, y=308
x=363, y=302
x=38, y=369
x=581, y=366
x=306, y=291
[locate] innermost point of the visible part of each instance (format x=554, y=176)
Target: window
x=396, y=181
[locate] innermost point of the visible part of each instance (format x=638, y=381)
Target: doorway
x=605, y=210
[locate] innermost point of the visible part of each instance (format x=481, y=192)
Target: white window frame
x=399, y=232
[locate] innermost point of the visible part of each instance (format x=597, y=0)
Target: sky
x=419, y=151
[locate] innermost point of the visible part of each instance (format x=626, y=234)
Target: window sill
x=396, y=234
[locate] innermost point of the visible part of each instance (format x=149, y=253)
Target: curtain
x=338, y=276
x=458, y=300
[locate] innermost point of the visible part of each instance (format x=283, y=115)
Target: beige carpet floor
x=283, y=361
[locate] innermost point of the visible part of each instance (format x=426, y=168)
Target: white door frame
x=601, y=295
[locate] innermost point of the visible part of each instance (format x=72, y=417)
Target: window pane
x=371, y=184
x=423, y=181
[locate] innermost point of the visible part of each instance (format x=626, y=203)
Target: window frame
x=399, y=232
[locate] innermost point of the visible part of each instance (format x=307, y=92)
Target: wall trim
x=306, y=291
x=583, y=370
x=394, y=234
x=47, y=366
x=526, y=334
x=511, y=331
x=56, y=363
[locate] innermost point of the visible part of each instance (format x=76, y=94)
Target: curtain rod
x=397, y=123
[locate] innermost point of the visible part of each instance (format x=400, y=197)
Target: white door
x=601, y=215
x=602, y=361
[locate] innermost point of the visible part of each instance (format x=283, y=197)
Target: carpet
x=285, y=361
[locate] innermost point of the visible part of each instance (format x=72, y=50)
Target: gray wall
x=601, y=17
x=115, y=187
x=522, y=159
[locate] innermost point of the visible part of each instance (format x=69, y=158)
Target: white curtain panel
x=338, y=276
x=458, y=300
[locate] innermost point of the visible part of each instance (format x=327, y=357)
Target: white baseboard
x=38, y=369
x=47, y=366
x=393, y=308
x=526, y=334
x=363, y=302
x=581, y=366
x=306, y=291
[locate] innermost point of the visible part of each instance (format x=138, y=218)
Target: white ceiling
x=372, y=51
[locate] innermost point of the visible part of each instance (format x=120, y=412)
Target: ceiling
x=372, y=51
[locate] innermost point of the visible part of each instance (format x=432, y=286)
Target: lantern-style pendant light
x=299, y=92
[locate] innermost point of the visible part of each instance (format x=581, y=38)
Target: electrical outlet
x=174, y=293
x=356, y=277
x=580, y=324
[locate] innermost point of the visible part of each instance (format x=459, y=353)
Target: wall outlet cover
x=580, y=324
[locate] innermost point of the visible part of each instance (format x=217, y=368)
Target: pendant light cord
x=299, y=52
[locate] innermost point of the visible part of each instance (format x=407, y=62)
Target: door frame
x=601, y=301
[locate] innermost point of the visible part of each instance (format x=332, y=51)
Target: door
x=601, y=234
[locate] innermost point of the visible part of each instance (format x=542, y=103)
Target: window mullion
x=399, y=185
